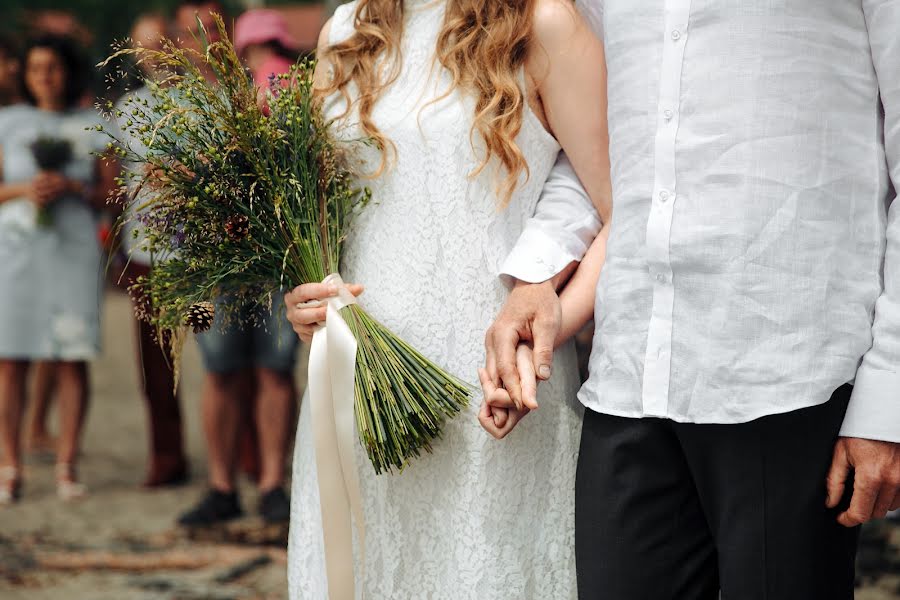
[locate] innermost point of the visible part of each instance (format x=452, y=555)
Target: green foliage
x=237, y=201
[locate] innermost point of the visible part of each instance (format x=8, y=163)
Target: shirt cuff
x=874, y=410
x=536, y=257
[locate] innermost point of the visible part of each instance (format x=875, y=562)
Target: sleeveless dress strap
x=342, y=23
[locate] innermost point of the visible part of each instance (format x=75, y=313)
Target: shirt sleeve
x=564, y=224
x=874, y=410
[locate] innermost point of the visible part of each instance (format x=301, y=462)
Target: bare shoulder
x=322, y=76
x=556, y=21
x=324, y=36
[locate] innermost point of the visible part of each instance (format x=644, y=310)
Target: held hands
x=532, y=314
x=876, y=479
x=307, y=306
x=519, y=353
x=499, y=414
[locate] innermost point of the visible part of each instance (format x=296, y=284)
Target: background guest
x=249, y=366
x=39, y=437
x=50, y=267
x=263, y=42
x=189, y=15
x=60, y=23
x=168, y=464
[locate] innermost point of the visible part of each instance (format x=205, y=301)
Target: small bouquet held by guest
x=238, y=200
x=50, y=154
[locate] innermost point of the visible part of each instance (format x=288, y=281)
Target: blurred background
x=139, y=520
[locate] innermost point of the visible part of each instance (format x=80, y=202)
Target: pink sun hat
x=259, y=26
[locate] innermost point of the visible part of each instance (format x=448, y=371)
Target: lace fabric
x=476, y=519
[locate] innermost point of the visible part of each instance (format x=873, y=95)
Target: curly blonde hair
x=483, y=44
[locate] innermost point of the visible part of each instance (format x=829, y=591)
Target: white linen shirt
x=753, y=264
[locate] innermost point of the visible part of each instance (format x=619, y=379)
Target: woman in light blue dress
x=50, y=259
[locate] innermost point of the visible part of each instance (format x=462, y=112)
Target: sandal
x=67, y=488
x=10, y=485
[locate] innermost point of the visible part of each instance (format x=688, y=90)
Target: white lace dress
x=478, y=519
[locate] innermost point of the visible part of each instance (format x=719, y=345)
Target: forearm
x=96, y=193
x=577, y=298
x=12, y=191
x=561, y=279
x=97, y=196
x=106, y=194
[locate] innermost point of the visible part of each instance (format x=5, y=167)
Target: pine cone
x=200, y=316
x=237, y=227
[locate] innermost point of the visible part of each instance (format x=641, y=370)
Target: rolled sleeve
x=560, y=232
x=874, y=411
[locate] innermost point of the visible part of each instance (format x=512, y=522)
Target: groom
x=744, y=392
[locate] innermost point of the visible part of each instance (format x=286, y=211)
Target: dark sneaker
x=215, y=507
x=275, y=507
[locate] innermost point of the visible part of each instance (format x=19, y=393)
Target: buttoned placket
x=658, y=357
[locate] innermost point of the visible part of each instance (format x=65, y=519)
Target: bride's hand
x=498, y=414
x=307, y=306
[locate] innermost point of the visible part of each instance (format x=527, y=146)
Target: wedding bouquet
x=235, y=201
x=50, y=154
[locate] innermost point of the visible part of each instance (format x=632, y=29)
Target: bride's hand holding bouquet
x=307, y=307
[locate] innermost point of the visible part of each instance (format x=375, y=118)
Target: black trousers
x=669, y=511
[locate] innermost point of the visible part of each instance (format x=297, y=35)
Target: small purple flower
x=179, y=238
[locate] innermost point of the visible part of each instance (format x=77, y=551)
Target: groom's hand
x=532, y=314
x=498, y=414
x=876, y=479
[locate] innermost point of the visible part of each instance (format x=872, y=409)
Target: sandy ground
x=118, y=516
x=42, y=541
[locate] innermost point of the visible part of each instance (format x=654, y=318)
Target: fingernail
x=544, y=372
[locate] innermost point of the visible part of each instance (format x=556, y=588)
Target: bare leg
x=43, y=387
x=275, y=404
x=72, y=379
x=168, y=463
x=248, y=452
x=223, y=394
x=12, y=404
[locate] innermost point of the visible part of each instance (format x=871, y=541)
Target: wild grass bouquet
x=237, y=201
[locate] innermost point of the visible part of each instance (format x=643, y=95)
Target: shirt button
x=668, y=114
x=664, y=196
x=676, y=35
x=661, y=278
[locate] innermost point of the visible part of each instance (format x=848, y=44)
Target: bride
x=469, y=103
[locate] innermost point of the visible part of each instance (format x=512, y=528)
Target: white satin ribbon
x=332, y=368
